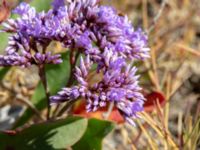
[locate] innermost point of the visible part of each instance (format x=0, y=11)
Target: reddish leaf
x=149, y=105
x=151, y=100
x=115, y=115
x=10, y=132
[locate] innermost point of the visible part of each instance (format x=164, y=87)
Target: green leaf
x=55, y=135
x=57, y=76
x=3, y=41
x=41, y=5
x=3, y=72
x=92, y=139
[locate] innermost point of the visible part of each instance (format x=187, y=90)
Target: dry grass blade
x=157, y=128
x=31, y=106
x=156, y=18
x=152, y=144
x=193, y=130
x=188, y=49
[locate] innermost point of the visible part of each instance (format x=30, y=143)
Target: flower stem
x=73, y=60
x=42, y=75
x=65, y=108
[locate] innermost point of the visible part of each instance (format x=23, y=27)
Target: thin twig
x=150, y=140
x=73, y=60
x=156, y=18
x=188, y=49
x=25, y=101
x=154, y=69
x=65, y=108
x=161, y=117
x=145, y=14
x=192, y=132
x=56, y=110
x=157, y=128
x=110, y=108
x=30, y=105
x=134, y=142
x=72, y=63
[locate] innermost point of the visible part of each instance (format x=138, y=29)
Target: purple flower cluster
x=118, y=84
x=29, y=39
x=82, y=24
x=100, y=33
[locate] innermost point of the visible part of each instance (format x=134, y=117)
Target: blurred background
x=170, y=78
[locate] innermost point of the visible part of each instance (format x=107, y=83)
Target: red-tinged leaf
x=151, y=100
x=149, y=106
x=10, y=132
x=115, y=115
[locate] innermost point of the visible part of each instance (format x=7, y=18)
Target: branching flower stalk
x=103, y=38
x=43, y=79
x=73, y=61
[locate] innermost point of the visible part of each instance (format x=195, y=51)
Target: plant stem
x=42, y=75
x=72, y=64
x=73, y=60
x=30, y=105
x=66, y=107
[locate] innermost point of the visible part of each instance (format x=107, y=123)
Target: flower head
x=119, y=84
x=105, y=39
x=108, y=40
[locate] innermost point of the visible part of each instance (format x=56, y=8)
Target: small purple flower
x=107, y=15
x=120, y=46
x=24, y=9
x=57, y=4
x=84, y=41
x=47, y=58
x=66, y=94
x=118, y=64
x=116, y=94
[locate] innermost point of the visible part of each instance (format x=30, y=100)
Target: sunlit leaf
x=41, y=5
x=3, y=41
x=92, y=139
x=46, y=136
